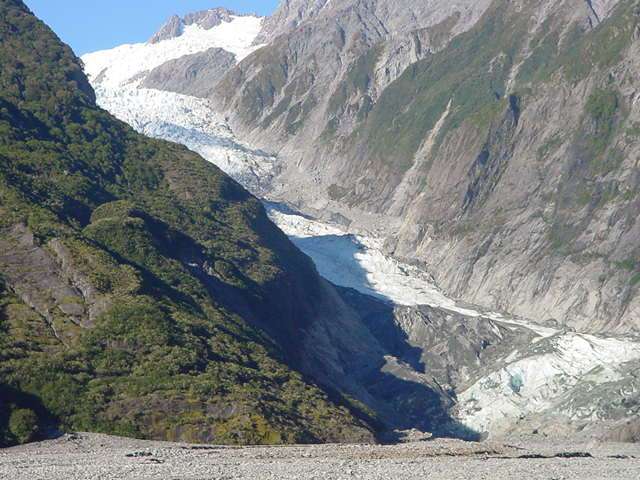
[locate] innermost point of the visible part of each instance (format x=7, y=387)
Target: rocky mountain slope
x=205, y=20
x=495, y=142
x=469, y=170
x=142, y=291
x=412, y=354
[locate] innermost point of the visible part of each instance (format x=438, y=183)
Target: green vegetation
x=594, y=153
x=601, y=108
x=23, y=425
x=550, y=146
x=577, y=54
x=196, y=298
x=544, y=47
x=631, y=265
x=585, y=184
x=297, y=115
x=264, y=86
x=357, y=81
x=336, y=192
x=472, y=70
x=604, y=47
x=633, y=131
x=410, y=107
x=562, y=236
x=628, y=264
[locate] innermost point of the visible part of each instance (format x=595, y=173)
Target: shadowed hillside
x=142, y=291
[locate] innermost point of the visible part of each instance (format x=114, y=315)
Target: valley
x=371, y=239
x=497, y=374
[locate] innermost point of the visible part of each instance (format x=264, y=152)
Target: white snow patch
x=192, y=122
x=119, y=65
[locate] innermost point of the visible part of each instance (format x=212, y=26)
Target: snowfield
x=117, y=66
x=549, y=375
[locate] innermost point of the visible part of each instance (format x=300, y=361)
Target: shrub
x=23, y=425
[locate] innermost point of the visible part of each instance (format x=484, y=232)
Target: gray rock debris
x=109, y=458
x=196, y=75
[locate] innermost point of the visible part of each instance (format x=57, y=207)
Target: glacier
x=191, y=122
x=556, y=365
x=117, y=74
x=549, y=374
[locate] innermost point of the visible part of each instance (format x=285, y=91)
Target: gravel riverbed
x=92, y=456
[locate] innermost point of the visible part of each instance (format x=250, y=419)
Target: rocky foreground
x=91, y=456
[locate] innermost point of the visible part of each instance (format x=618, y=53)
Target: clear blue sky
x=89, y=25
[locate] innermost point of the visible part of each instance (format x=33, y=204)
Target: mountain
x=470, y=171
x=142, y=291
x=495, y=142
x=394, y=340
x=204, y=20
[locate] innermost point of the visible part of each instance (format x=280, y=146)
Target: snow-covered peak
x=206, y=19
x=120, y=65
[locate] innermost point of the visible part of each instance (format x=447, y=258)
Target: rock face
x=171, y=29
x=496, y=142
x=200, y=73
x=30, y=269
